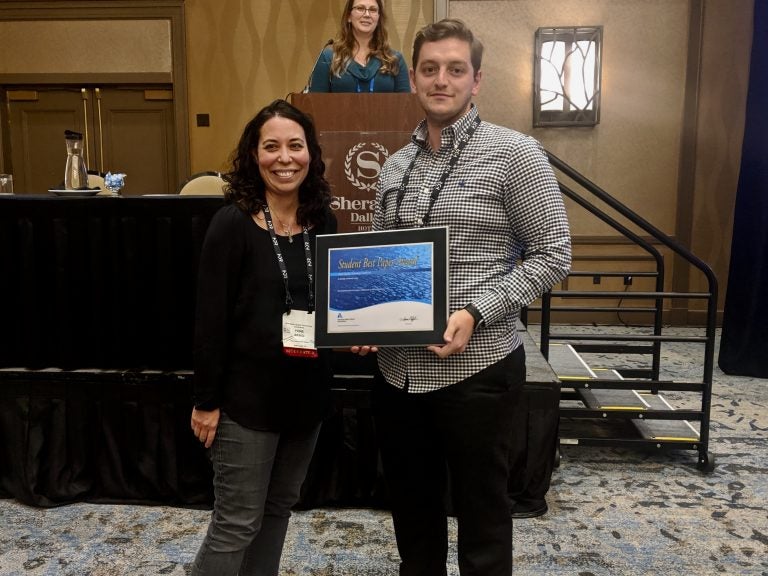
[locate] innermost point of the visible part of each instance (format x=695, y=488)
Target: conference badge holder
x=299, y=334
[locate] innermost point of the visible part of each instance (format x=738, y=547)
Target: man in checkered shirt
x=445, y=410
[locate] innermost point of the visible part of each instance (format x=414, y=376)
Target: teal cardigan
x=358, y=78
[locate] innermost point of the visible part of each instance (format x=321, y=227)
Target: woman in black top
x=261, y=388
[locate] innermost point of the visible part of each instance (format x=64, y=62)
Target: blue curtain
x=744, y=344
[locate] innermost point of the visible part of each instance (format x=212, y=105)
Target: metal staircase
x=624, y=403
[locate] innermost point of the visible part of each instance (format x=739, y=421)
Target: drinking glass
x=6, y=184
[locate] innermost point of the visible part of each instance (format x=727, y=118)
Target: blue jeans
x=257, y=478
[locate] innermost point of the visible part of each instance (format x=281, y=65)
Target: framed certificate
x=385, y=288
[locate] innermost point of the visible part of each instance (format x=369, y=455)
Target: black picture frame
x=382, y=271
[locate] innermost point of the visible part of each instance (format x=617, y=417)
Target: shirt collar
x=454, y=131
x=365, y=73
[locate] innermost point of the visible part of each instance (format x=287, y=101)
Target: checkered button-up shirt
x=500, y=200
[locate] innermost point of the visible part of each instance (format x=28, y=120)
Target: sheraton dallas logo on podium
x=355, y=196
x=362, y=164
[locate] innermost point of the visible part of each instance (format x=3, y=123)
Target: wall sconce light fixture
x=567, y=76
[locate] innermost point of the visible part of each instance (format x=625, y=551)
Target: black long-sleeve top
x=239, y=362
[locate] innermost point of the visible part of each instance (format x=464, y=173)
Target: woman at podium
x=360, y=59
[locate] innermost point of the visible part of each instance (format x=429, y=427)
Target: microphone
x=317, y=60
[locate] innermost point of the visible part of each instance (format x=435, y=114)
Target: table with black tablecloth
x=97, y=301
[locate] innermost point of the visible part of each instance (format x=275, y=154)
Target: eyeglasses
x=362, y=10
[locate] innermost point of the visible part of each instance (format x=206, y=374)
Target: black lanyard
x=284, y=269
x=457, y=150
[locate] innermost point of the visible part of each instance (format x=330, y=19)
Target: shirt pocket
x=481, y=230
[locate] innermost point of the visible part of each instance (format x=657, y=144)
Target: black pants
x=461, y=431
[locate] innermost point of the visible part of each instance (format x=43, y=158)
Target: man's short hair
x=449, y=28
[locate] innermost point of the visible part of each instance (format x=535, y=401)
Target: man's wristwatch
x=475, y=314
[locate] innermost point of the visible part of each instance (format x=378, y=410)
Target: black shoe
x=529, y=508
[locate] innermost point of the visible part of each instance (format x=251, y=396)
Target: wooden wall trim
x=613, y=239
x=77, y=78
x=678, y=317
x=48, y=8
x=440, y=10
x=686, y=182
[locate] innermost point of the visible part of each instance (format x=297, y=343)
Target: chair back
x=204, y=184
x=96, y=179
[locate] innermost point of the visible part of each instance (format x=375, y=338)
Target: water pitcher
x=76, y=172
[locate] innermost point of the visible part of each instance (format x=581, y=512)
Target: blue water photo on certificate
x=389, y=287
x=382, y=288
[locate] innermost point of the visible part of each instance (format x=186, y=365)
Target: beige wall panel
x=243, y=54
x=85, y=46
x=634, y=152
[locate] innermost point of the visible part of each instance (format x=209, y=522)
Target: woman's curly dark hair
x=245, y=186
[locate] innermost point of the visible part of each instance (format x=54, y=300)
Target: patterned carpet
x=611, y=512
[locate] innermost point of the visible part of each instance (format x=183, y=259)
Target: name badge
x=299, y=334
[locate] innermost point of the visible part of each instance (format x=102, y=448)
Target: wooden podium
x=358, y=132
